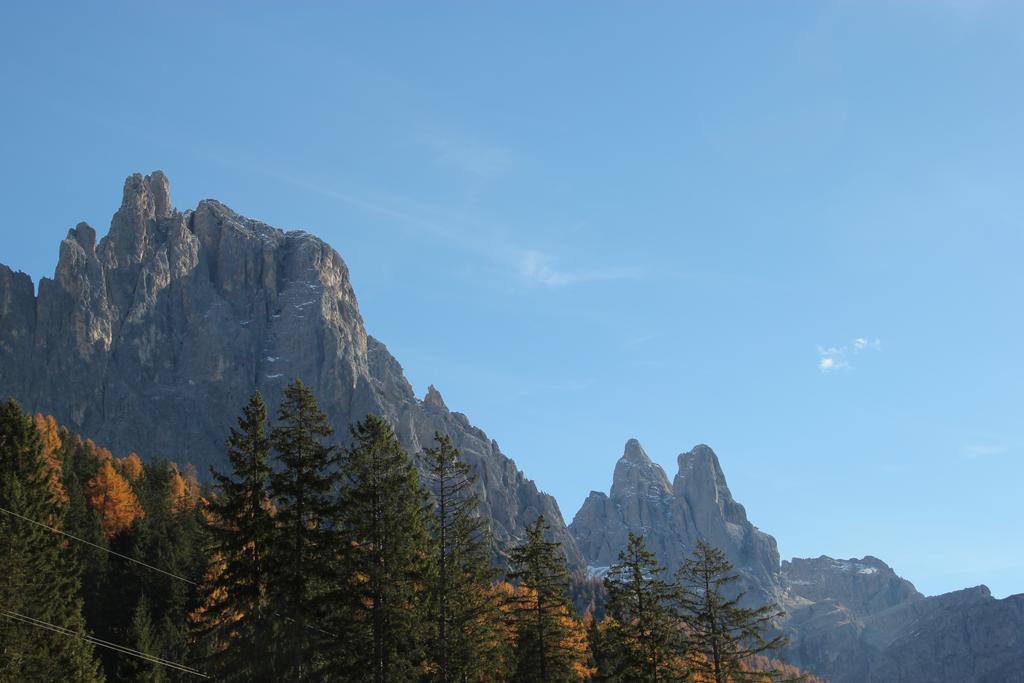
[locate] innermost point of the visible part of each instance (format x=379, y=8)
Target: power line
x=153, y=659
x=132, y=559
x=102, y=643
x=98, y=547
x=139, y=562
x=309, y=626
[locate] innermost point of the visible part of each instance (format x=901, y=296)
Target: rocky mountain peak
x=673, y=517
x=148, y=196
x=700, y=468
x=433, y=399
x=144, y=222
x=637, y=475
x=701, y=481
x=84, y=236
x=634, y=452
x=154, y=338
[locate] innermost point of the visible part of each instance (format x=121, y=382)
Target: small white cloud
x=836, y=357
x=538, y=267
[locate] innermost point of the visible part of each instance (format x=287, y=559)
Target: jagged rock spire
x=637, y=475
x=433, y=399
x=673, y=517
x=148, y=196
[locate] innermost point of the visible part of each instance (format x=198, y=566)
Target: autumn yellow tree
x=183, y=489
x=49, y=436
x=131, y=466
x=111, y=495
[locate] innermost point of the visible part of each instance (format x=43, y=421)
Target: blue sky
x=597, y=221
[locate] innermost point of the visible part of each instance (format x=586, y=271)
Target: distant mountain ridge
x=153, y=338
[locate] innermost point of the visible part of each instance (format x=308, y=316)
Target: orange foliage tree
x=183, y=489
x=49, y=434
x=131, y=466
x=111, y=494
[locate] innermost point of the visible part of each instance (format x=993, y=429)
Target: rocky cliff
x=965, y=636
x=863, y=586
x=673, y=517
x=152, y=339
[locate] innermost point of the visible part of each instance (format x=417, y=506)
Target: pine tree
x=304, y=545
x=102, y=616
x=83, y=521
x=546, y=643
x=383, y=597
x=234, y=617
x=603, y=646
x=174, y=540
x=39, y=579
x=463, y=608
x=140, y=636
x=724, y=636
x=646, y=639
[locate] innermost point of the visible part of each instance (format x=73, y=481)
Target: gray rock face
x=153, y=339
x=863, y=587
x=697, y=505
x=639, y=503
x=962, y=636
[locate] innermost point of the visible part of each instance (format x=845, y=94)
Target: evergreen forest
x=315, y=556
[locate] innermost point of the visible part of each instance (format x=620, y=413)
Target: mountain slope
x=965, y=635
x=864, y=586
x=153, y=338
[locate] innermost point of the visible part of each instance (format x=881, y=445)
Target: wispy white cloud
x=640, y=339
x=540, y=268
x=984, y=450
x=479, y=160
x=838, y=357
x=465, y=231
